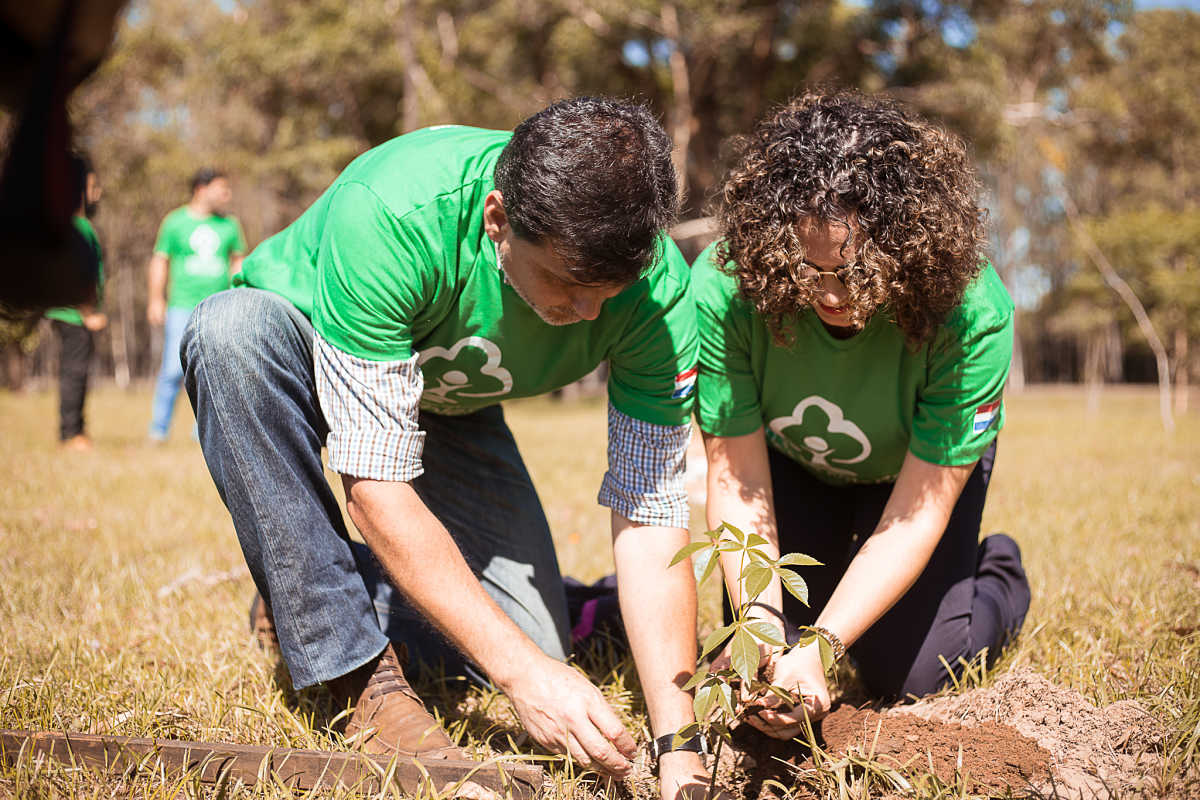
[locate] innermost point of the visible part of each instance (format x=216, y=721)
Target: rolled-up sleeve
x=645, y=477
x=371, y=408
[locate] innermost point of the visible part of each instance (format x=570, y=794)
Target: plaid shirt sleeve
x=371, y=408
x=644, y=482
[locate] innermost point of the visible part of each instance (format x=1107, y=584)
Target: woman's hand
x=799, y=671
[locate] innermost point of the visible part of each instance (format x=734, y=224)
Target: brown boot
x=262, y=625
x=389, y=718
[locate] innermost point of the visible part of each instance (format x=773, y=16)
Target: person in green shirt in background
x=198, y=250
x=74, y=325
x=854, y=350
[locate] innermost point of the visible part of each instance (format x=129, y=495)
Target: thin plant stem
x=712, y=779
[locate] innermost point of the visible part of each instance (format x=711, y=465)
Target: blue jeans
x=248, y=369
x=170, y=373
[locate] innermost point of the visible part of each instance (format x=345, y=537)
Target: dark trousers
x=971, y=595
x=74, y=356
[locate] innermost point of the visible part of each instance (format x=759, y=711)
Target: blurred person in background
x=854, y=349
x=74, y=325
x=198, y=250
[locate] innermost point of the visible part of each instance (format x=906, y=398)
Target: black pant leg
x=902, y=653
x=815, y=519
x=75, y=354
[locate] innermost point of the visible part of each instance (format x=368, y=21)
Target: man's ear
x=495, y=218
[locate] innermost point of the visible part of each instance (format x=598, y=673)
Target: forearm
x=659, y=608
x=156, y=281
x=426, y=565
x=740, y=494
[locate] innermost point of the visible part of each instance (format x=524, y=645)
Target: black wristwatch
x=666, y=744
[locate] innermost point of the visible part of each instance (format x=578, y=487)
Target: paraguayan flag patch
x=685, y=383
x=985, y=415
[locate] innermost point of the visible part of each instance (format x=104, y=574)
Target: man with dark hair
x=199, y=247
x=74, y=325
x=443, y=272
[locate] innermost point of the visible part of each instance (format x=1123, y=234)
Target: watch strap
x=666, y=744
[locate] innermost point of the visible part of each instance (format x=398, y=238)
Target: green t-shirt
x=199, y=250
x=70, y=314
x=849, y=409
x=392, y=260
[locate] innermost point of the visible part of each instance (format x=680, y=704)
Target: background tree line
x=1083, y=114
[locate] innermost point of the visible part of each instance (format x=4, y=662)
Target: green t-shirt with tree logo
x=70, y=314
x=199, y=250
x=850, y=409
x=392, y=261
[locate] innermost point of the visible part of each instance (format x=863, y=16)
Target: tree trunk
x=1126, y=293
x=1093, y=368
x=682, y=118
x=1016, y=372
x=1181, y=370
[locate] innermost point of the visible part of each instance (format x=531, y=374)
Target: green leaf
x=727, y=546
x=710, y=567
x=781, y=693
x=706, y=698
x=715, y=639
x=695, y=680
x=704, y=564
x=684, y=733
x=757, y=579
x=798, y=560
x=684, y=552
x=725, y=698
x=759, y=557
x=826, y=652
x=795, y=585
x=754, y=540
x=743, y=654
x=765, y=632
x=735, y=531
x=805, y=639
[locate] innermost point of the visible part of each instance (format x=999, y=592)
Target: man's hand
x=799, y=671
x=95, y=321
x=565, y=713
x=156, y=311
x=682, y=776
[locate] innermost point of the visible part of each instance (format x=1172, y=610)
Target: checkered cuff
x=644, y=482
x=371, y=408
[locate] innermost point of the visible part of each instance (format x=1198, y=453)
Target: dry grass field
x=123, y=594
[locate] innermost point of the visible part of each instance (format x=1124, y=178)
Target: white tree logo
x=205, y=243
x=471, y=368
x=812, y=443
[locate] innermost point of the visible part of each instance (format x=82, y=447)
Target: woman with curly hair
x=855, y=345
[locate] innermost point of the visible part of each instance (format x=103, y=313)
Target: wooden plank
x=301, y=769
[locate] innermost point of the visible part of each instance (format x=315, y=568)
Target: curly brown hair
x=903, y=188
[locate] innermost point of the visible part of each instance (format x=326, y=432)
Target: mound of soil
x=989, y=757
x=1021, y=733
x=1094, y=752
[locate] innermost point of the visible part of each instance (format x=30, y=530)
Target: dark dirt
x=988, y=757
x=1019, y=736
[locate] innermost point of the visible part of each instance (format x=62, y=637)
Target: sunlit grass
x=123, y=594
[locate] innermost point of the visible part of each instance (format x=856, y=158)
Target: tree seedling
x=717, y=711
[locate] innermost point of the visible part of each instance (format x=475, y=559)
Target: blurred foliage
x=1087, y=96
